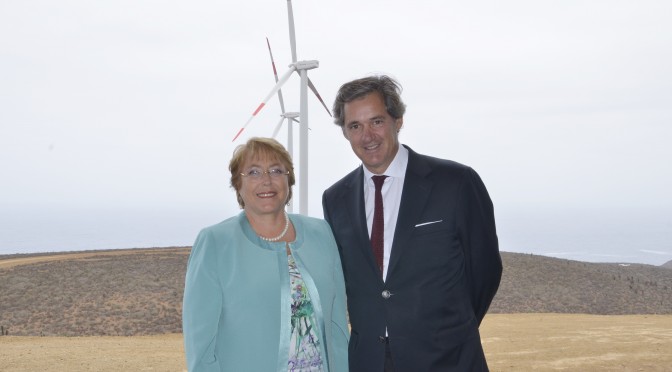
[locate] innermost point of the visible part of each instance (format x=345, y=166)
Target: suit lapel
x=414, y=198
x=353, y=200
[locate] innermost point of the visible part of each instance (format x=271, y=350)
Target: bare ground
x=121, y=312
x=512, y=342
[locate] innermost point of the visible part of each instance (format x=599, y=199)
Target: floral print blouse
x=304, y=346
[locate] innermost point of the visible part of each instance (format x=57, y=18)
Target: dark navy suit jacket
x=444, y=269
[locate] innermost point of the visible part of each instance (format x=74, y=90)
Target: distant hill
x=139, y=292
x=667, y=265
x=532, y=284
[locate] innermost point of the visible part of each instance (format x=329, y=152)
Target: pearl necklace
x=282, y=234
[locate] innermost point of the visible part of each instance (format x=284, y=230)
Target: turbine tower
x=301, y=68
x=289, y=116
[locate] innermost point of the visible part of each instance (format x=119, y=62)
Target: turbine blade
x=312, y=87
x=238, y=134
x=292, y=37
x=278, y=85
x=275, y=89
x=275, y=74
x=277, y=127
x=282, y=101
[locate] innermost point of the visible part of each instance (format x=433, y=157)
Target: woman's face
x=267, y=193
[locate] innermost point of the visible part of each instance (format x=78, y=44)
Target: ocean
x=625, y=235
x=608, y=234
x=60, y=229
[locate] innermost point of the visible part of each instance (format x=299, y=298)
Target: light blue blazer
x=236, y=308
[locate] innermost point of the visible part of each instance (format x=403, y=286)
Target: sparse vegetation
x=539, y=284
x=139, y=292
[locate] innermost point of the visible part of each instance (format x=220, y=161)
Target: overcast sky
x=135, y=103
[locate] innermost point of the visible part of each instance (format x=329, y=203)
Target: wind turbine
x=300, y=67
x=289, y=116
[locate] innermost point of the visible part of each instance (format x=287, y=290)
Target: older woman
x=264, y=290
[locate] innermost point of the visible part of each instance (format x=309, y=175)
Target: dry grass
x=512, y=342
x=74, y=354
x=577, y=342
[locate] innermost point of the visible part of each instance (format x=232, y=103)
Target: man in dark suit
x=418, y=246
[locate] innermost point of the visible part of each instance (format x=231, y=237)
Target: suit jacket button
x=386, y=294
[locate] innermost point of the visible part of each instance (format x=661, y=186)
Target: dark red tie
x=378, y=226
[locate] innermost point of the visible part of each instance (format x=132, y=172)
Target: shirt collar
x=396, y=169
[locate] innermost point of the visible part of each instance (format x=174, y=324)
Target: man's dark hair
x=388, y=88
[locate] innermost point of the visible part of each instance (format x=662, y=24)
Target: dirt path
x=11, y=262
x=512, y=342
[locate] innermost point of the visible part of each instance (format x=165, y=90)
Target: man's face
x=372, y=132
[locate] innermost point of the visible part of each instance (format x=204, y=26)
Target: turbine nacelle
x=305, y=65
x=291, y=115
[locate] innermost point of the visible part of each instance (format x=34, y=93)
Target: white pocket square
x=428, y=223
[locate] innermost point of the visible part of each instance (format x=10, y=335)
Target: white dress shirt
x=391, y=191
